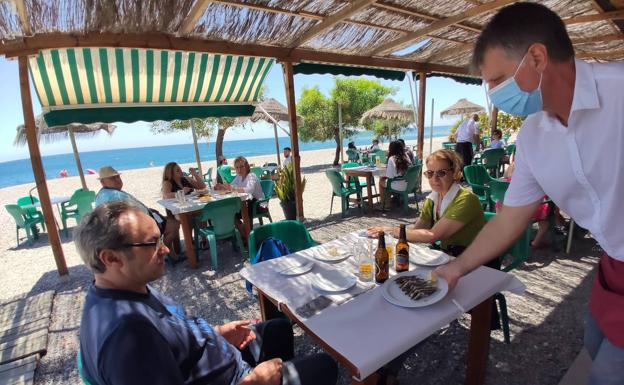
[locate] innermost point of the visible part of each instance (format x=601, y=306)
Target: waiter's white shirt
x=467, y=131
x=580, y=167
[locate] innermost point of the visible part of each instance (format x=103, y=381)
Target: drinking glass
x=390, y=248
x=362, y=250
x=377, y=161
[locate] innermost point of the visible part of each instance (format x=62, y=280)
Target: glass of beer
x=390, y=245
x=363, y=252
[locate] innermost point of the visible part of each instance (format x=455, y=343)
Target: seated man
x=132, y=334
x=287, y=157
x=111, y=192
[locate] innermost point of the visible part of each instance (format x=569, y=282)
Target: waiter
x=570, y=147
x=467, y=134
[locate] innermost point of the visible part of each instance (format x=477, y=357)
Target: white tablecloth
x=194, y=204
x=368, y=330
x=376, y=171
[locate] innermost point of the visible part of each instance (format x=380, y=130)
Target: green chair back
x=267, y=188
x=350, y=165
x=226, y=173
x=31, y=211
x=83, y=200
x=478, y=179
x=23, y=221
x=448, y=145
x=381, y=155
x=292, y=233
x=411, y=177
x=491, y=160
x=208, y=177
x=221, y=213
x=258, y=171
x=336, y=181
x=352, y=155
x=498, y=188
x=18, y=214
x=510, y=149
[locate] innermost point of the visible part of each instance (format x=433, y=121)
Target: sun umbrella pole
x=414, y=102
x=277, y=149
x=197, y=158
x=72, y=138
x=340, y=131
x=431, y=128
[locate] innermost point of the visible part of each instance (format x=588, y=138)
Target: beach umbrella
x=271, y=111
x=56, y=133
x=462, y=107
x=389, y=110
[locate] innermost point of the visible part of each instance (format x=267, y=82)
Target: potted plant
x=285, y=190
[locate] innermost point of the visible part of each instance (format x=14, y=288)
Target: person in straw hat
x=571, y=147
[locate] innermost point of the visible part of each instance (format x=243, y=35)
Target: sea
x=18, y=172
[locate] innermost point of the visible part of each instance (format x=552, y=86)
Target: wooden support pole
x=294, y=136
x=494, y=120
x=421, y=114
x=37, y=165
x=197, y=157
x=277, y=148
x=72, y=138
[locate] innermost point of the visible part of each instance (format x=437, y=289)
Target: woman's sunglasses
x=440, y=173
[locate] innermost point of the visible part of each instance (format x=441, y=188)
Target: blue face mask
x=508, y=96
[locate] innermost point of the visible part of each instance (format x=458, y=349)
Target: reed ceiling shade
x=89, y=85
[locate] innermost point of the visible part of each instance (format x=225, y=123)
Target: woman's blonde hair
x=452, y=158
x=242, y=159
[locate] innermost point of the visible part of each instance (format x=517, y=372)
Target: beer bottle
x=381, y=260
x=402, y=252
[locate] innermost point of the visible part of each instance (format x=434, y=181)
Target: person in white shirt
x=571, y=148
x=374, y=146
x=398, y=162
x=467, y=133
x=287, y=157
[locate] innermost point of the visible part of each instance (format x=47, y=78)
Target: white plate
x=333, y=281
x=322, y=254
x=427, y=257
x=297, y=269
x=393, y=293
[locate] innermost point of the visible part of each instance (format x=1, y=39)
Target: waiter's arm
x=497, y=235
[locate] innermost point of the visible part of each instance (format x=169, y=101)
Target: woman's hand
x=373, y=232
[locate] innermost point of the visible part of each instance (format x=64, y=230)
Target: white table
x=357, y=332
x=192, y=206
x=53, y=200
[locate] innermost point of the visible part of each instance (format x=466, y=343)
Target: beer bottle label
x=402, y=257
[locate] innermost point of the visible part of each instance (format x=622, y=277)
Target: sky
x=444, y=91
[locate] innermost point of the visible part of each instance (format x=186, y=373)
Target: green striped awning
x=89, y=85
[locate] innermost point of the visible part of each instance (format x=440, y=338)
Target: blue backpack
x=270, y=248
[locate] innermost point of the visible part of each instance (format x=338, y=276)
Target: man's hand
x=266, y=373
x=237, y=333
x=451, y=272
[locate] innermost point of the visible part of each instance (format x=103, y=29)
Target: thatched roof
x=277, y=110
x=58, y=133
x=462, y=107
x=438, y=34
x=389, y=109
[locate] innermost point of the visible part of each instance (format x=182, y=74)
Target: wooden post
x=421, y=114
x=37, y=165
x=294, y=136
x=494, y=120
x=277, y=149
x=197, y=157
x=72, y=138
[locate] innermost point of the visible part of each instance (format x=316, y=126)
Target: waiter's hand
x=451, y=272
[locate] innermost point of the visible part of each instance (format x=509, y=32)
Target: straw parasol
x=391, y=110
x=271, y=111
x=57, y=133
x=462, y=107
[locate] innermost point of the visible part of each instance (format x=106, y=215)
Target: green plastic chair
x=80, y=203
x=519, y=253
x=258, y=171
x=222, y=214
x=353, y=155
x=498, y=188
x=208, y=177
x=32, y=212
x=448, y=145
x=479, y=180
x=381, y=155
x=354, y=181
x=23, y=221
x=225, y=171
x=81, y=369
x=491, y=160
x=292, y=233
x=267, y=189
x=350, y=165
x=339, y=190
x=411, y=176
x=510, y=149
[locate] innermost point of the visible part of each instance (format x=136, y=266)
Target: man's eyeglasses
x=158, y=244
x=440, y=173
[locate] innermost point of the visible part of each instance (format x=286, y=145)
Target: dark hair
x=376, y=141
x=351, y=145
x=221, y=159
x=397, y=150
x=515, y=27
x=287, y=148
x=497, y=132
x=402, y=142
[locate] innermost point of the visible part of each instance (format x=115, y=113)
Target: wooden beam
x=613, y=15
x=442, y=23
x=606, y=55
x=422, y=85
x=289, y=82
x=32, y=46
x=408, y=11
x=596, y=39
x=190, y=22
x=37, y=165
x=330, y=21
x=23, y=16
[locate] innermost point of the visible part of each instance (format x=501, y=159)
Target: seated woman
x=352, y=152
x=398, y=162
x=173, y=181
x=497, y=139
x=245, y=181
x=451, y=214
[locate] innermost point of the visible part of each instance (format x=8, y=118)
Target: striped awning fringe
x=126, y=77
